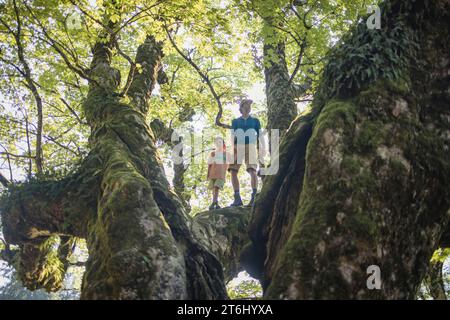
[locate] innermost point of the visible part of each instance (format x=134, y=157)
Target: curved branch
x=299, y=62
x=136, y=17
x=204, y=77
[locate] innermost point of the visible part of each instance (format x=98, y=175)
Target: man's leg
x=234, y=169
x=253, y=179
x=235, y=182
x=214, y=194
x=254, y=184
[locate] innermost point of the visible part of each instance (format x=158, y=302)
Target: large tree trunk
x=364, y=178
x=281, y=106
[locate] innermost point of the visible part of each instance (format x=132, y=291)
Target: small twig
x=91, y=17
x=59, y=48
x=299, y=62
x=72, y=111
x=197, y=153
x=135, y=17
x=17, y=155
x=22, y=73
x=131, y=72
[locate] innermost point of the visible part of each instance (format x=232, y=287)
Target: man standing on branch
x=245, y=138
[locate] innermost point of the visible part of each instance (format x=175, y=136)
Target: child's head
x=219, y=143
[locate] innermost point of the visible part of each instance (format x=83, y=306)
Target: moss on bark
x=375, y=188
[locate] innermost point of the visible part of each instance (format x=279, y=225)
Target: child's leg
x=215, y=194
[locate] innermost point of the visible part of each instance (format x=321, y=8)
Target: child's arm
x=210, y=163
x=209, y=170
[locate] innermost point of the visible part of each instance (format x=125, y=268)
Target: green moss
x=326, y=194
x=337, y=112
x=369, y=136
x=317, y=217
x=363, y=56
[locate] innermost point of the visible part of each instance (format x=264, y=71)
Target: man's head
x=245, y=107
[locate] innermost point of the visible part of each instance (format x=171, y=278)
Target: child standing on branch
x=217, y=170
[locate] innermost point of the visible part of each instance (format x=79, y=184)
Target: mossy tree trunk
x=281, y=106
x=132, y=252
x=164, y=134
x=364, y=178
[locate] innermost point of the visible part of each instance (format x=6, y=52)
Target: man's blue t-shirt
x=243, y=136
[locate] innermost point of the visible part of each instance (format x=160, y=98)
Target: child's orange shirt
x=217, y=169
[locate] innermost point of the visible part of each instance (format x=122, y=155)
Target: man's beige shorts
x=245, y=153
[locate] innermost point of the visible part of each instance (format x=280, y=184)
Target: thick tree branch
x=148, y=56
x=281, y=107
x=36, y=210
x=359, y=202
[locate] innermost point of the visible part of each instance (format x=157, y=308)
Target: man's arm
x=233, y=132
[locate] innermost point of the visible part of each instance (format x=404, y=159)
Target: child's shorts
x=219, y=183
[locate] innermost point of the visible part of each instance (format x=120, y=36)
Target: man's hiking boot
x=237, y=201
x=252, y=200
